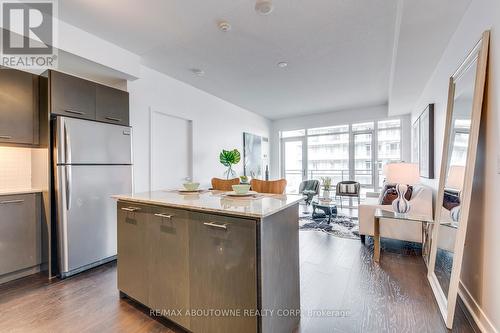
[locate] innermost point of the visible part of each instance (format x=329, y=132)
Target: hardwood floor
x=393, y=296
x=336, y=274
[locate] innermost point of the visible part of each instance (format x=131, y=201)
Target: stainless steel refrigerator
x=92, y=161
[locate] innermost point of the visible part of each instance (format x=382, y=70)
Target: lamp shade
x=402, y=173
x=455, y=178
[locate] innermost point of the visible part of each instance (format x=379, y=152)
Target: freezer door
x=86, y=212
x=80, y=141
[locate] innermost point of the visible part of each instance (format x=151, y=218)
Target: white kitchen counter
x=216, y=202
x=19, y=191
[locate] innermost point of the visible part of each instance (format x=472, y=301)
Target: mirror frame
x=447, y=304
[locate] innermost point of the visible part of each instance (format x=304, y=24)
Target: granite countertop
x=19, y=191
x=260, y=206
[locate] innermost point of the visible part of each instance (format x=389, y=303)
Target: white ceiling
x=425, y=29
x=339, y=52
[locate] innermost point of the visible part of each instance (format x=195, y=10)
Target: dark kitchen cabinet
x=169, y=262
x=20, y=233
x=18, y=107
x=133, y=251
x=79, y=98
x=112, y=105
x=72, y=96
x=223, y=271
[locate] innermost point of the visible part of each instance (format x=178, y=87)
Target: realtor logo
x=28, y=32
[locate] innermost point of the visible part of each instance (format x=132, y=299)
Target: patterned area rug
x=340, y=226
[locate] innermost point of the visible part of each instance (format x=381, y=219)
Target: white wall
x=481, y=267
x=15, y=168
x=217, y=124
x=331, y=119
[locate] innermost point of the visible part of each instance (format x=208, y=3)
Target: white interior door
x=171, y=151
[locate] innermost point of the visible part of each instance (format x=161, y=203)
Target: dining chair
x=224, y=184
x=268, y=186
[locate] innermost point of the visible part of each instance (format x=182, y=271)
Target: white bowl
x=191, y=186
x=241, y=189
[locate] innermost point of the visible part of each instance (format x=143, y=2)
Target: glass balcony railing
x=294, y=178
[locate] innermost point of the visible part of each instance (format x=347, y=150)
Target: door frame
x=153, y=111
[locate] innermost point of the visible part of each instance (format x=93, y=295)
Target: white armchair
x=421, y=204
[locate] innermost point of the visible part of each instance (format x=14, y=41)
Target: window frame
x=374, y=131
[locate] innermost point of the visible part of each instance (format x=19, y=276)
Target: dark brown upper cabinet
x=76, y=97
x=112, y=105
x=72, y=96
x=18, y=107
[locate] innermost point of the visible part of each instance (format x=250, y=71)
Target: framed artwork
x=423, y=142
x=255, y=155
x=415, y=142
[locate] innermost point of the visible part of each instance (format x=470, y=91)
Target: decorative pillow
x=390, y=194
x=351, y=188
x=451, y=199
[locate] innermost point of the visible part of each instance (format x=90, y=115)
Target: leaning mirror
x=465, y=98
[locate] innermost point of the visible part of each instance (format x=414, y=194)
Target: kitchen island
x=210, y=262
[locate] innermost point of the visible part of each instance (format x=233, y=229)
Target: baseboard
x=19, y=274
x=468, y=315
x=475, y=312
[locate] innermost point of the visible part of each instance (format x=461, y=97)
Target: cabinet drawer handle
x=6, y=137
x=130, y=209
x=11, y=201
x=74, y=111
x=215, y=225
x=113, y=119
x=164, y=215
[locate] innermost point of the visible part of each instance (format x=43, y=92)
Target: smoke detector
x=224, y=26
x=264, y=7
x=282, y=64
x=197, y=71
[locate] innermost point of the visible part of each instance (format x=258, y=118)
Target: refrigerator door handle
x=68, y=187
x=67, y=145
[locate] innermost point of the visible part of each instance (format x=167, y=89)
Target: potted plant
x=228, y=158
x=326, y=183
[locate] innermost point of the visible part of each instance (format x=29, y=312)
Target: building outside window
x=342, y=152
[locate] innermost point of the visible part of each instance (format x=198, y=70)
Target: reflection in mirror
x=455, y=172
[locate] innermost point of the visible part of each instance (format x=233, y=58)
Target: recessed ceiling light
x=282, y=64
x=198, y=72
x=264, y=7
x=224, y=26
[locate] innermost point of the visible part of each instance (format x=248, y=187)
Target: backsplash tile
x=15, y=168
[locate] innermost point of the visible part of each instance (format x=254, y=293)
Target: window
x=328, y=130
x=389, y=144
x=328, y=152
x=356, y=151
x=362, y=127
x=293, y=164
x=393, y=123
x=291, y=134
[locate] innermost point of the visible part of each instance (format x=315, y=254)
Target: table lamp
x=401, y=174
x=455, y=181
x=455, y=178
